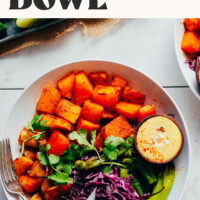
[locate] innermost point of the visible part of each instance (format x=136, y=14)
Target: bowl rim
x=176, y=24
x=129, y=67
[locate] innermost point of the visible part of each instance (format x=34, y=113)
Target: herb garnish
x=82, y=139
x=38, y=124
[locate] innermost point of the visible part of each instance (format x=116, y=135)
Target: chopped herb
x=60, y=178
x=82, y=139
x=35, y=137
x=37, y=124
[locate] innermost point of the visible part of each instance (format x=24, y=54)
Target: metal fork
x=8, y=175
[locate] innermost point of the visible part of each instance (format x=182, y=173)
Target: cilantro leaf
x=43, y=155
x=53, y=159
x=60, y=178
x=43, y=159
x=106, y=169
x=82, y=139
x=37, y=123
x=110, y=154
x=93, y=136
x=115, y=141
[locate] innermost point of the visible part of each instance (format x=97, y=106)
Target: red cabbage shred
x=108, y=187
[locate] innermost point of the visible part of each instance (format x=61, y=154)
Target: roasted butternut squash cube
x=119, y=82
x=54, y=122
x=128, y=110
x=25, y=134
x=29, y=184
x=54, y=191
x=107, y=96
x=48, y=100
x=37, y=170
x=22, y=164
x=29, y=153
x=91, y=111
x=82, y=89
x=192, y=24
x=58, y=142
x=68, y=111
x=66, y=85
x=99, y=142
x=108, y=114
x=37, y=196
x=99, y=78
x=145, y=111
x=45, y=185
x=118, y=127
x=131, y=95
x=190, y=42
x=88, y=126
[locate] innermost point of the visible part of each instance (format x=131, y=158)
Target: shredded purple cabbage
x=193, y=63
x=108, y=187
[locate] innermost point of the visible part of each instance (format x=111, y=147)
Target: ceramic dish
x=24, y=109
x=189, y=75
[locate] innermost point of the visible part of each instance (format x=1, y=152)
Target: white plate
x=24, y=108
x=188, y=74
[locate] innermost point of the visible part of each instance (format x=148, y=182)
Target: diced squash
x=66, y=85
x=107, y=96
x=99, y=78
x=22, y=164
x=82, y=89
x=45, y=185
x=99, y=141
x=88, y=126
x=131, y=95
x=119, y=82
x=118, y=127
x=145, y=111
x=190, y=42
x=91, y=111
x=29, y=153
x=48, y=100
x=54, y=191
x=192, y=24
x=128, y=110
x=25, y=134
x=108, y=114
x=68, y=111
x=54, y=122
x=37, y=196
x=37, y=170
x=29, y=184
x=58, y=142
x=66, y=188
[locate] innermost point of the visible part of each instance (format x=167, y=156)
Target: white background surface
x=146, y=44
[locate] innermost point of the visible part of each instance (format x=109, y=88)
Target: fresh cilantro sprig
x=61, y=165
x=60, y=178
x=113, y=146
x=81, y=138
x=35, y=137
x=35, y=124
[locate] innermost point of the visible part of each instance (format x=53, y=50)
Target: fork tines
x=6, y=163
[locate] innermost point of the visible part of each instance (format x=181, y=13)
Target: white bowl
x=189, y=75
x=24, y=109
